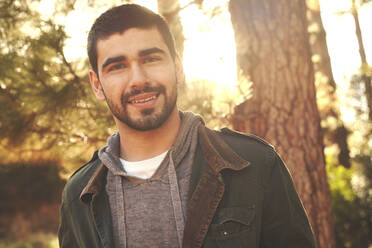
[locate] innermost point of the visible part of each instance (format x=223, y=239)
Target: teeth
x=144, y=100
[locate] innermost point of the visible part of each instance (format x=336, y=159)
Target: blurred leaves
x=215, y=103
x=360, y=97
x=46, y=104
x=34, y=241
x=352, y=201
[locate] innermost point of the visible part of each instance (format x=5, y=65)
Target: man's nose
x=138, y=77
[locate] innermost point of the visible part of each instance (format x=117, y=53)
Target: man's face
x=137, y=77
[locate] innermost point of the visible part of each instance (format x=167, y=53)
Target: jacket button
x=225, y=233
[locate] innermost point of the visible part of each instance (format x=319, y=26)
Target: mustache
x=146, y=89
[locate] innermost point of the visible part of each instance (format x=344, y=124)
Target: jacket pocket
x=232, y=227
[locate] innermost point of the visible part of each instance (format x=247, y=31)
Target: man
x=165, y=180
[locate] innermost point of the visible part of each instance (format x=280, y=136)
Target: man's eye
x=116, y=67
x=151, y=59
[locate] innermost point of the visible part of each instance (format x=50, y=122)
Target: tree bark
x=325, y=85
x=273, y=52
x=365, y=78
x=169, y=9
x=318, y=45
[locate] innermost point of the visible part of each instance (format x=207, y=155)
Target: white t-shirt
x=143, y=169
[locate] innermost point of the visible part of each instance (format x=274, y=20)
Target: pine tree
x=273, y=51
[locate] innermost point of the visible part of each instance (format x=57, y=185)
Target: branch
x=48, y=130
x=9, y=4
x=66, y=63
x=76, y=78
x=171, y=14
x=10, y=97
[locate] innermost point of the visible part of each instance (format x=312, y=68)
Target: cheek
x=116, y=79
x=114, y=86
x=162, y=73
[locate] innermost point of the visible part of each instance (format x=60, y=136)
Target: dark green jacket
x=241, y=195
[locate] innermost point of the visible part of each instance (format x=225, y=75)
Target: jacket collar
x=95, y=184
x=217, y=153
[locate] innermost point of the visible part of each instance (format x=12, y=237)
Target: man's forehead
x=131, y=41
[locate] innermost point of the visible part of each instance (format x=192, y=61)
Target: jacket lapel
x=95, y=196
x=207, y=186
x=101, y=213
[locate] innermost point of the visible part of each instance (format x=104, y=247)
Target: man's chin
x=147, y=121
x=147, y=112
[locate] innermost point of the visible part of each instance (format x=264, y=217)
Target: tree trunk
x=273, y=52
x=325, y=84
x=318, y=44
x=169, y=9
x=365, y=78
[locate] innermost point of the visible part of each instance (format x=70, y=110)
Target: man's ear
x=179, y=70
x=96, y=85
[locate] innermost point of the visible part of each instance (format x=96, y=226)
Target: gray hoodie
x=152, y=212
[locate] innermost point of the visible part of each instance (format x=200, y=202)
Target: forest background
x=296, y=73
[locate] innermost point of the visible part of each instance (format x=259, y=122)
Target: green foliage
x=340, y=181
x=351, y=203
x=213, y=102
x=198, y=97
x=46, y=103
x=357, y=90
x=35, y=241
x=363, y=168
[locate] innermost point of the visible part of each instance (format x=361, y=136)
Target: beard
x=150, y=119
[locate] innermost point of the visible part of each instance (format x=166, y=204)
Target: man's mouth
x=143, y=98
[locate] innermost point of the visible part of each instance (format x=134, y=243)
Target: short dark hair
x=121, y=18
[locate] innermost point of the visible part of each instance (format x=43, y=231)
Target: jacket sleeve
x=65, y=235
x=284, y=220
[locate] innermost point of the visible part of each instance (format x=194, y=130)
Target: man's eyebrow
x=146, y=52
x=113, y=60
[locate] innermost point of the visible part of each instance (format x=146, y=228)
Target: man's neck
x=140, y=145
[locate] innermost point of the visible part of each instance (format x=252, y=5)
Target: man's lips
x=142, y=98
